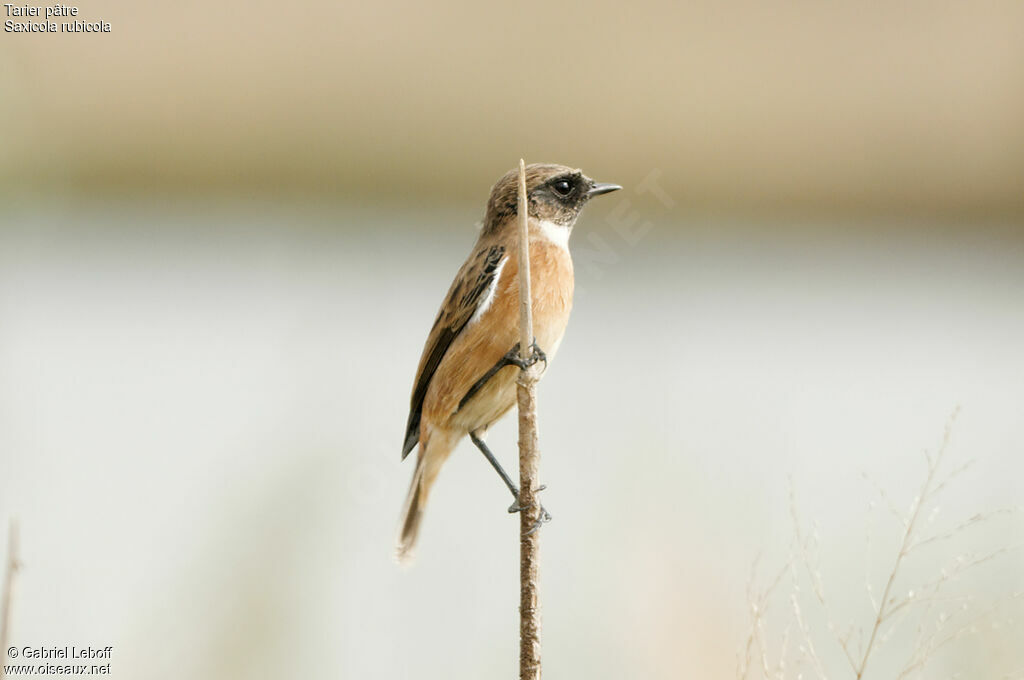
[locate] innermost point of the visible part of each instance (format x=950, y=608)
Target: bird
x=466, y=376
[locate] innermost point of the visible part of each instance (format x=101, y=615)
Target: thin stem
x=884, y=608
x=525, y=306
x=13, y=564
x=529, y=463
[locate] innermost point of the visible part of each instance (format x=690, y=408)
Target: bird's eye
x=562, y=187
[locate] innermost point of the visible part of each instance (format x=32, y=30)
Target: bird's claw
x=536, y=354
x=543, y=518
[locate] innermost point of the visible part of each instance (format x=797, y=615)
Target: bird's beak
x=601, y=188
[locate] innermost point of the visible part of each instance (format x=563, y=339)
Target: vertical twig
x=525, y=306
x=5, y=603
x=529, y=462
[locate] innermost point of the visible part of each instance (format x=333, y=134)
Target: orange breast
x=485, y=341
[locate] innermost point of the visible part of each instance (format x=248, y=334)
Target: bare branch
x=814, y=574
x=978, y=518
x=911, y=523
x=529, y=463
x=11, y=570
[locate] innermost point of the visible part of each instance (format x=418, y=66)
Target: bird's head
x=554, y=193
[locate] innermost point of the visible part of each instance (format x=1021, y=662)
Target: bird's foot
x=543, y=518
x=536, y=354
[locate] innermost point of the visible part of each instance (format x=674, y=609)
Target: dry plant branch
x=13, y=564
x=758, y=602
x=885, y=609
x=805, y=545
x=529, y=463
x=887, y=605
x=942, y=618
x=927, y=645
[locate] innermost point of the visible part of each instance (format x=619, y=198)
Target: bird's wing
x=472, y=286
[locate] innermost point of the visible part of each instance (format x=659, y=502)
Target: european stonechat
x=467, y=373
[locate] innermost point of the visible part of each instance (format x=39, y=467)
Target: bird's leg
x=494, y=463
x=512, y=358
x=545, y=516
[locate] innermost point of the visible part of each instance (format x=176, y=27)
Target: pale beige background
x=224, y=232
x=898, y=105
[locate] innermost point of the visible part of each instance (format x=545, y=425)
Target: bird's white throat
x=556, y=233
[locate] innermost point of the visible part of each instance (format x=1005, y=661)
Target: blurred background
x=225, y=231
